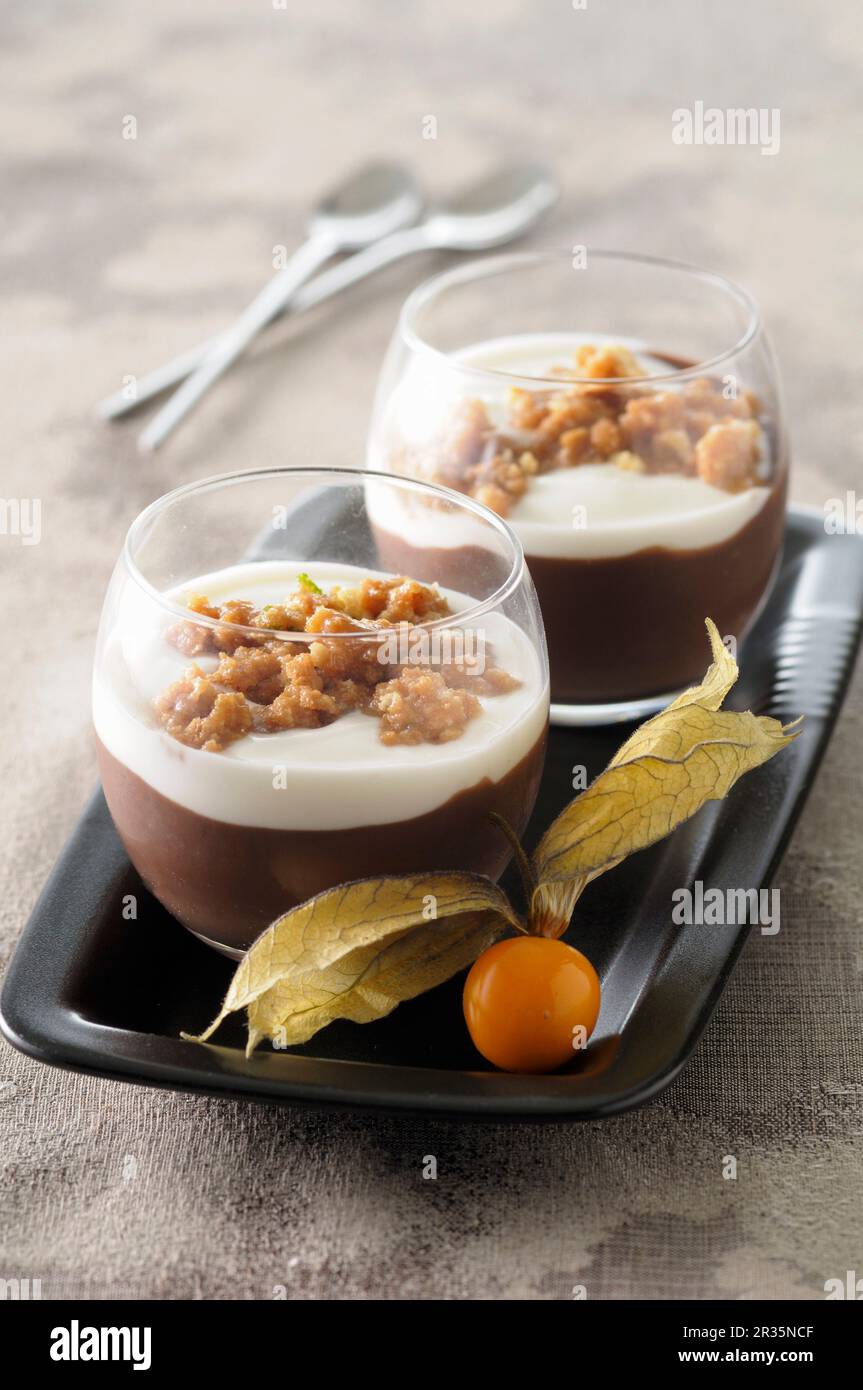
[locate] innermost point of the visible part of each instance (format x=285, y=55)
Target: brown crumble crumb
x=196, y=713
x=727, y=455
x=418, y=706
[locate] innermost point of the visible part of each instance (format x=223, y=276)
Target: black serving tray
x=90, y=990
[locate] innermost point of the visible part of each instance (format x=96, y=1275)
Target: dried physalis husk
x=357, y=951
x=690, y=753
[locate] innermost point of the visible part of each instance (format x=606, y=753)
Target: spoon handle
x=357, y=267
x=121, y=403
x=330, y=282
x=275, y=295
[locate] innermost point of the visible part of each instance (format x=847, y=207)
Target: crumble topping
x=419, y=706
x=696, y=431
x=262, y=684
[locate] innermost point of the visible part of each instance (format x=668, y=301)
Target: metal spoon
x=376, y=201
x=491, y=213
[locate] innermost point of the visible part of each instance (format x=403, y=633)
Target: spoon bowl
x=494, y=211
x=381, y=198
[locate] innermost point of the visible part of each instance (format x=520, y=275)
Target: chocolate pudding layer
x=632, y=626
x=228, y=882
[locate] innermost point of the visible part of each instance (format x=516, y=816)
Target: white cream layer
x=303, y=779
x=598, y=510
x=592, y=511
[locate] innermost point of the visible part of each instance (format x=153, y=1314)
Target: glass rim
x=153, y=511
x=430, y=289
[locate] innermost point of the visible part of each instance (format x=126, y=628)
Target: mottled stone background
x=117, y=254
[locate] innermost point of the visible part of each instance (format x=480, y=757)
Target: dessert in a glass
x=278, y=711
x=622, y=414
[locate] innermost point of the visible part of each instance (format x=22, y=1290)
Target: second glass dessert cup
x=279, y=711
x=623, y=414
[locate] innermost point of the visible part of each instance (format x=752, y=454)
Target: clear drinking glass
x=270, y=741
x=623, y=414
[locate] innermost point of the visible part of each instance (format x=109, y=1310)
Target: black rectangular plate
x=90, y=990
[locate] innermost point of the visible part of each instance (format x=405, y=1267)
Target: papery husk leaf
x=720, y=677
x=552, y=904
x=370, y=982
x=358, y=950
x=690, y=753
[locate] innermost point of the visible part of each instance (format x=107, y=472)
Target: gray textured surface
x=119, y=253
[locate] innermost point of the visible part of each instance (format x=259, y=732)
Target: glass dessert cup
x=623, y=414
x=309, y=721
